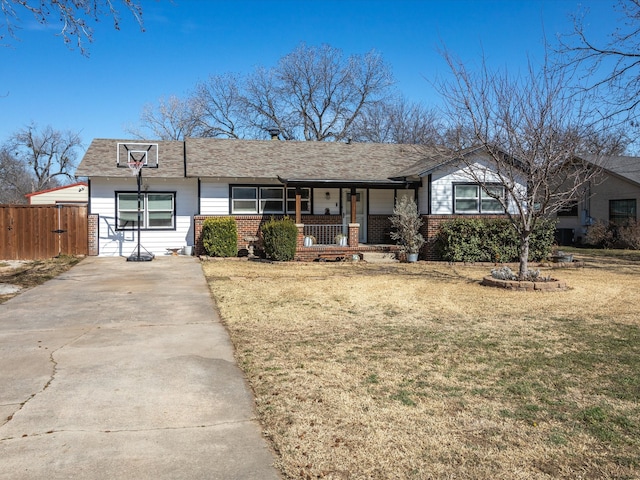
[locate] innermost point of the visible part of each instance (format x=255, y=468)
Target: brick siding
x=92, y=243
x=378, y=232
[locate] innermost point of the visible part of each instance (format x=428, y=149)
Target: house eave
x=344, y=183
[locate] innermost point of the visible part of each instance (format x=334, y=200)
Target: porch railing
x=324, y=234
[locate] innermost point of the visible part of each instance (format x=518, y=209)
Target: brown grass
x=32, y=273
x=417, y=371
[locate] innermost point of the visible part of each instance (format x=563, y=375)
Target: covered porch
x=344, y=236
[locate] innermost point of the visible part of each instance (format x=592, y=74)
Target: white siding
x=113, y=242
x=381, y=202
x=320, y=201
x=214, y=198
x=442, y=186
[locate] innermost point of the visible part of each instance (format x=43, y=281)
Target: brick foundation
x=378, y=227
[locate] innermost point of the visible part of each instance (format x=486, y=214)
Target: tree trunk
x=524, y=256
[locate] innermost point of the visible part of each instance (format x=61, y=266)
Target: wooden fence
x=31, y=232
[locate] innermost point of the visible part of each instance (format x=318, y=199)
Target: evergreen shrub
x=491, y=240
x=279, y=238
x=220, y=237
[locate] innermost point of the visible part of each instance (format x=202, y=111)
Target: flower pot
x=412, y=257
x=307, y=241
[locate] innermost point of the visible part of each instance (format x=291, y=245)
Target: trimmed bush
x=279, y=238
x=220, y=237
x=491, y=240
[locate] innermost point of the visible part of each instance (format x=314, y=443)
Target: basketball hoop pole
x=139, y=257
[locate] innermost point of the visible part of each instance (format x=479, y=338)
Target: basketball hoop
x=135, y=167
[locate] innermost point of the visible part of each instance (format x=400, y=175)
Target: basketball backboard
x=146, y=153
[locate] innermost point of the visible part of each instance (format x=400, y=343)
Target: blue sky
x=185, y=41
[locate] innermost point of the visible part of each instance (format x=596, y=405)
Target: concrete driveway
x=122, y=370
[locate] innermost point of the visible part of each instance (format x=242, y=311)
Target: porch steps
x=379, y=257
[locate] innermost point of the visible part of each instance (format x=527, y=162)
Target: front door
x=361, y=211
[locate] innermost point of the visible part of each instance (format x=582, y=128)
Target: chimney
x=274, y=132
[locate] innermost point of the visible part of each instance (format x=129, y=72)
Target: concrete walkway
x=121, y=370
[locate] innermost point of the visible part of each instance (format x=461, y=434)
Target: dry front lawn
x=416, y=371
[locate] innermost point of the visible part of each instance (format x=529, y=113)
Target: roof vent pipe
x=274, y=132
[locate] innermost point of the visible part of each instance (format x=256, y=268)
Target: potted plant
x=341, y=239
x=406, y=223
x=309, y=240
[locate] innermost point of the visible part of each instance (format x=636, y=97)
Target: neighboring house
x=76, y=193
x=612, y=197
x=326, y=187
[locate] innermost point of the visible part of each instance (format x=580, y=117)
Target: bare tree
x=398, y=121
x=72, y=16
x=172, y=119
x=612, y=67
x=48, y=154
x=316, y=94
x=220, y=107
x=534, y=134
x=15, y=181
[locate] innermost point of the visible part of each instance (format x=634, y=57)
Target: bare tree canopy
x=72, y=16
x=172, y=119
x=220, y=107
x=314, y=93
x=612, y=66
x=398, y=121
x=48, y=155
x=15, y=181
x=535, y=134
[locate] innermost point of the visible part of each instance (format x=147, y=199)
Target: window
x=258, y=200
x=305, y=200
x=157, y=210
x=271, y=200
x=471, y=198
x=621, y=211
x=569, y=210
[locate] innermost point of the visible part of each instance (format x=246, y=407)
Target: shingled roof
x=312, y=161
x=622, y=166
x=289, y=161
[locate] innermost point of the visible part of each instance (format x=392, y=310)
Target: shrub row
x=279, y=237
x=491, y=240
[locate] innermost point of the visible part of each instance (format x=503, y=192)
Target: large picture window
x=259, y=200
x=622, y=211
x=157, y=210
x=471, y=198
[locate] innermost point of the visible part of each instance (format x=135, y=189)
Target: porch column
x=354, y=234
x=353, y=205
x=298, y=205
x=300, y=238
